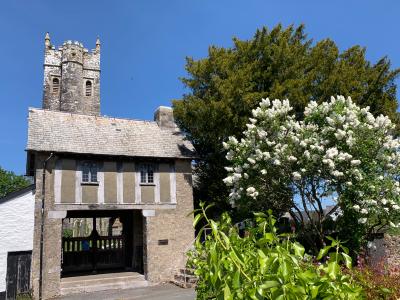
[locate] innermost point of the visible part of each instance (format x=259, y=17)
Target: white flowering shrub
x=339, y=153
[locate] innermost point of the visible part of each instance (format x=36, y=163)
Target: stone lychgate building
x=87, y=166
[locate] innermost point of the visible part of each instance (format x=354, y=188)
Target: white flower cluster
x=342, y=146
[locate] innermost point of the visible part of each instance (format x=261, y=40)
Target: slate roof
x=55, y=131
x=15, y=194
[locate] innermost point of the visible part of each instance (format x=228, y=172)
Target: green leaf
x=197, y=218
x=214, y=227
x=235, y=256
x=314, y=291
x=333, y=269
x=209, y=206
x=347, y=260
x=298, y=249
x=333, y=241
x=386, y=290
x=323, y=252
x=236, y=280
x=270, y=284
x=286, y=268
x=261, y=253
x=227, y=293
x=307, y=276
x=260, y=214
x=225, y=238
x=345, y=249
x=270, y=237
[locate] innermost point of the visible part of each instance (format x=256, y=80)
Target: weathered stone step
x=187, y=271
x=184, y=285
x=101, y=282
x=187, y=278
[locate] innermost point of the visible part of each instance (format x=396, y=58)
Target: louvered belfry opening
x=88, y=89
x=56, y=86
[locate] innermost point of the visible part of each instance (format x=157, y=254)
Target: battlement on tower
x=71, y=77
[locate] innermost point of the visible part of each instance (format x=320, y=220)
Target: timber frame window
x=147, y=173
x=89, y=172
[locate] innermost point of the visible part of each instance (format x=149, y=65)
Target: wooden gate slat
x=100, y=253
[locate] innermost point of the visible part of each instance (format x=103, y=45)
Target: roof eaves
x=12, y=195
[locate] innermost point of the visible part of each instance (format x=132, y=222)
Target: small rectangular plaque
x=163, y=242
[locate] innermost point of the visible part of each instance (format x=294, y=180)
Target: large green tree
x=10, y=182
x=281, y=63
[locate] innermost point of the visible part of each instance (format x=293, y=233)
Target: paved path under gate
x=157, y=292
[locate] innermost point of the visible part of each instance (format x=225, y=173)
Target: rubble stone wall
x=385, y=254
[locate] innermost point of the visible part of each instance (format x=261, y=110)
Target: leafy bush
x=266, y=265
x=340, y=154
x=10, y=182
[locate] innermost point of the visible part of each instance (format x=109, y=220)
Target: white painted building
x=16, y=230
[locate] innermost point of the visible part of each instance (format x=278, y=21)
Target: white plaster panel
x=100, y=190
x=57, y=214
x=172, y=180
x=57, y=181
x=148, y=212
x=157, y=187
x=138, y=190
x=78, y=181
x=120, y=187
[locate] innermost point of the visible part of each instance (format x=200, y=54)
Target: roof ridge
x=91, y=116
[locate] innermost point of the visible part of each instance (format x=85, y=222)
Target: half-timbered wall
x=117, y=183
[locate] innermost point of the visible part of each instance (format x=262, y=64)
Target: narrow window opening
x=88, y=88
x=56, y=86
x=89, y=172
x=147, y=173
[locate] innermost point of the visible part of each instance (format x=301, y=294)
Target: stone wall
x=52, y=234
x=162, y=261
x=385, y=254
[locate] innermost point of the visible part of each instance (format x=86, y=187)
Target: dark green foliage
x=281, y=63
x=10, y=182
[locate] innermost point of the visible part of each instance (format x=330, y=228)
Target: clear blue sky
x=144, y=44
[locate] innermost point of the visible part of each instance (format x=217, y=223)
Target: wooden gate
x=18, y=273
x=93, y=253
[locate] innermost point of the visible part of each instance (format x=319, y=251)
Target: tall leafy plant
x=266, y=265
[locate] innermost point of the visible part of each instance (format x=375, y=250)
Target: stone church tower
x=71, y=78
